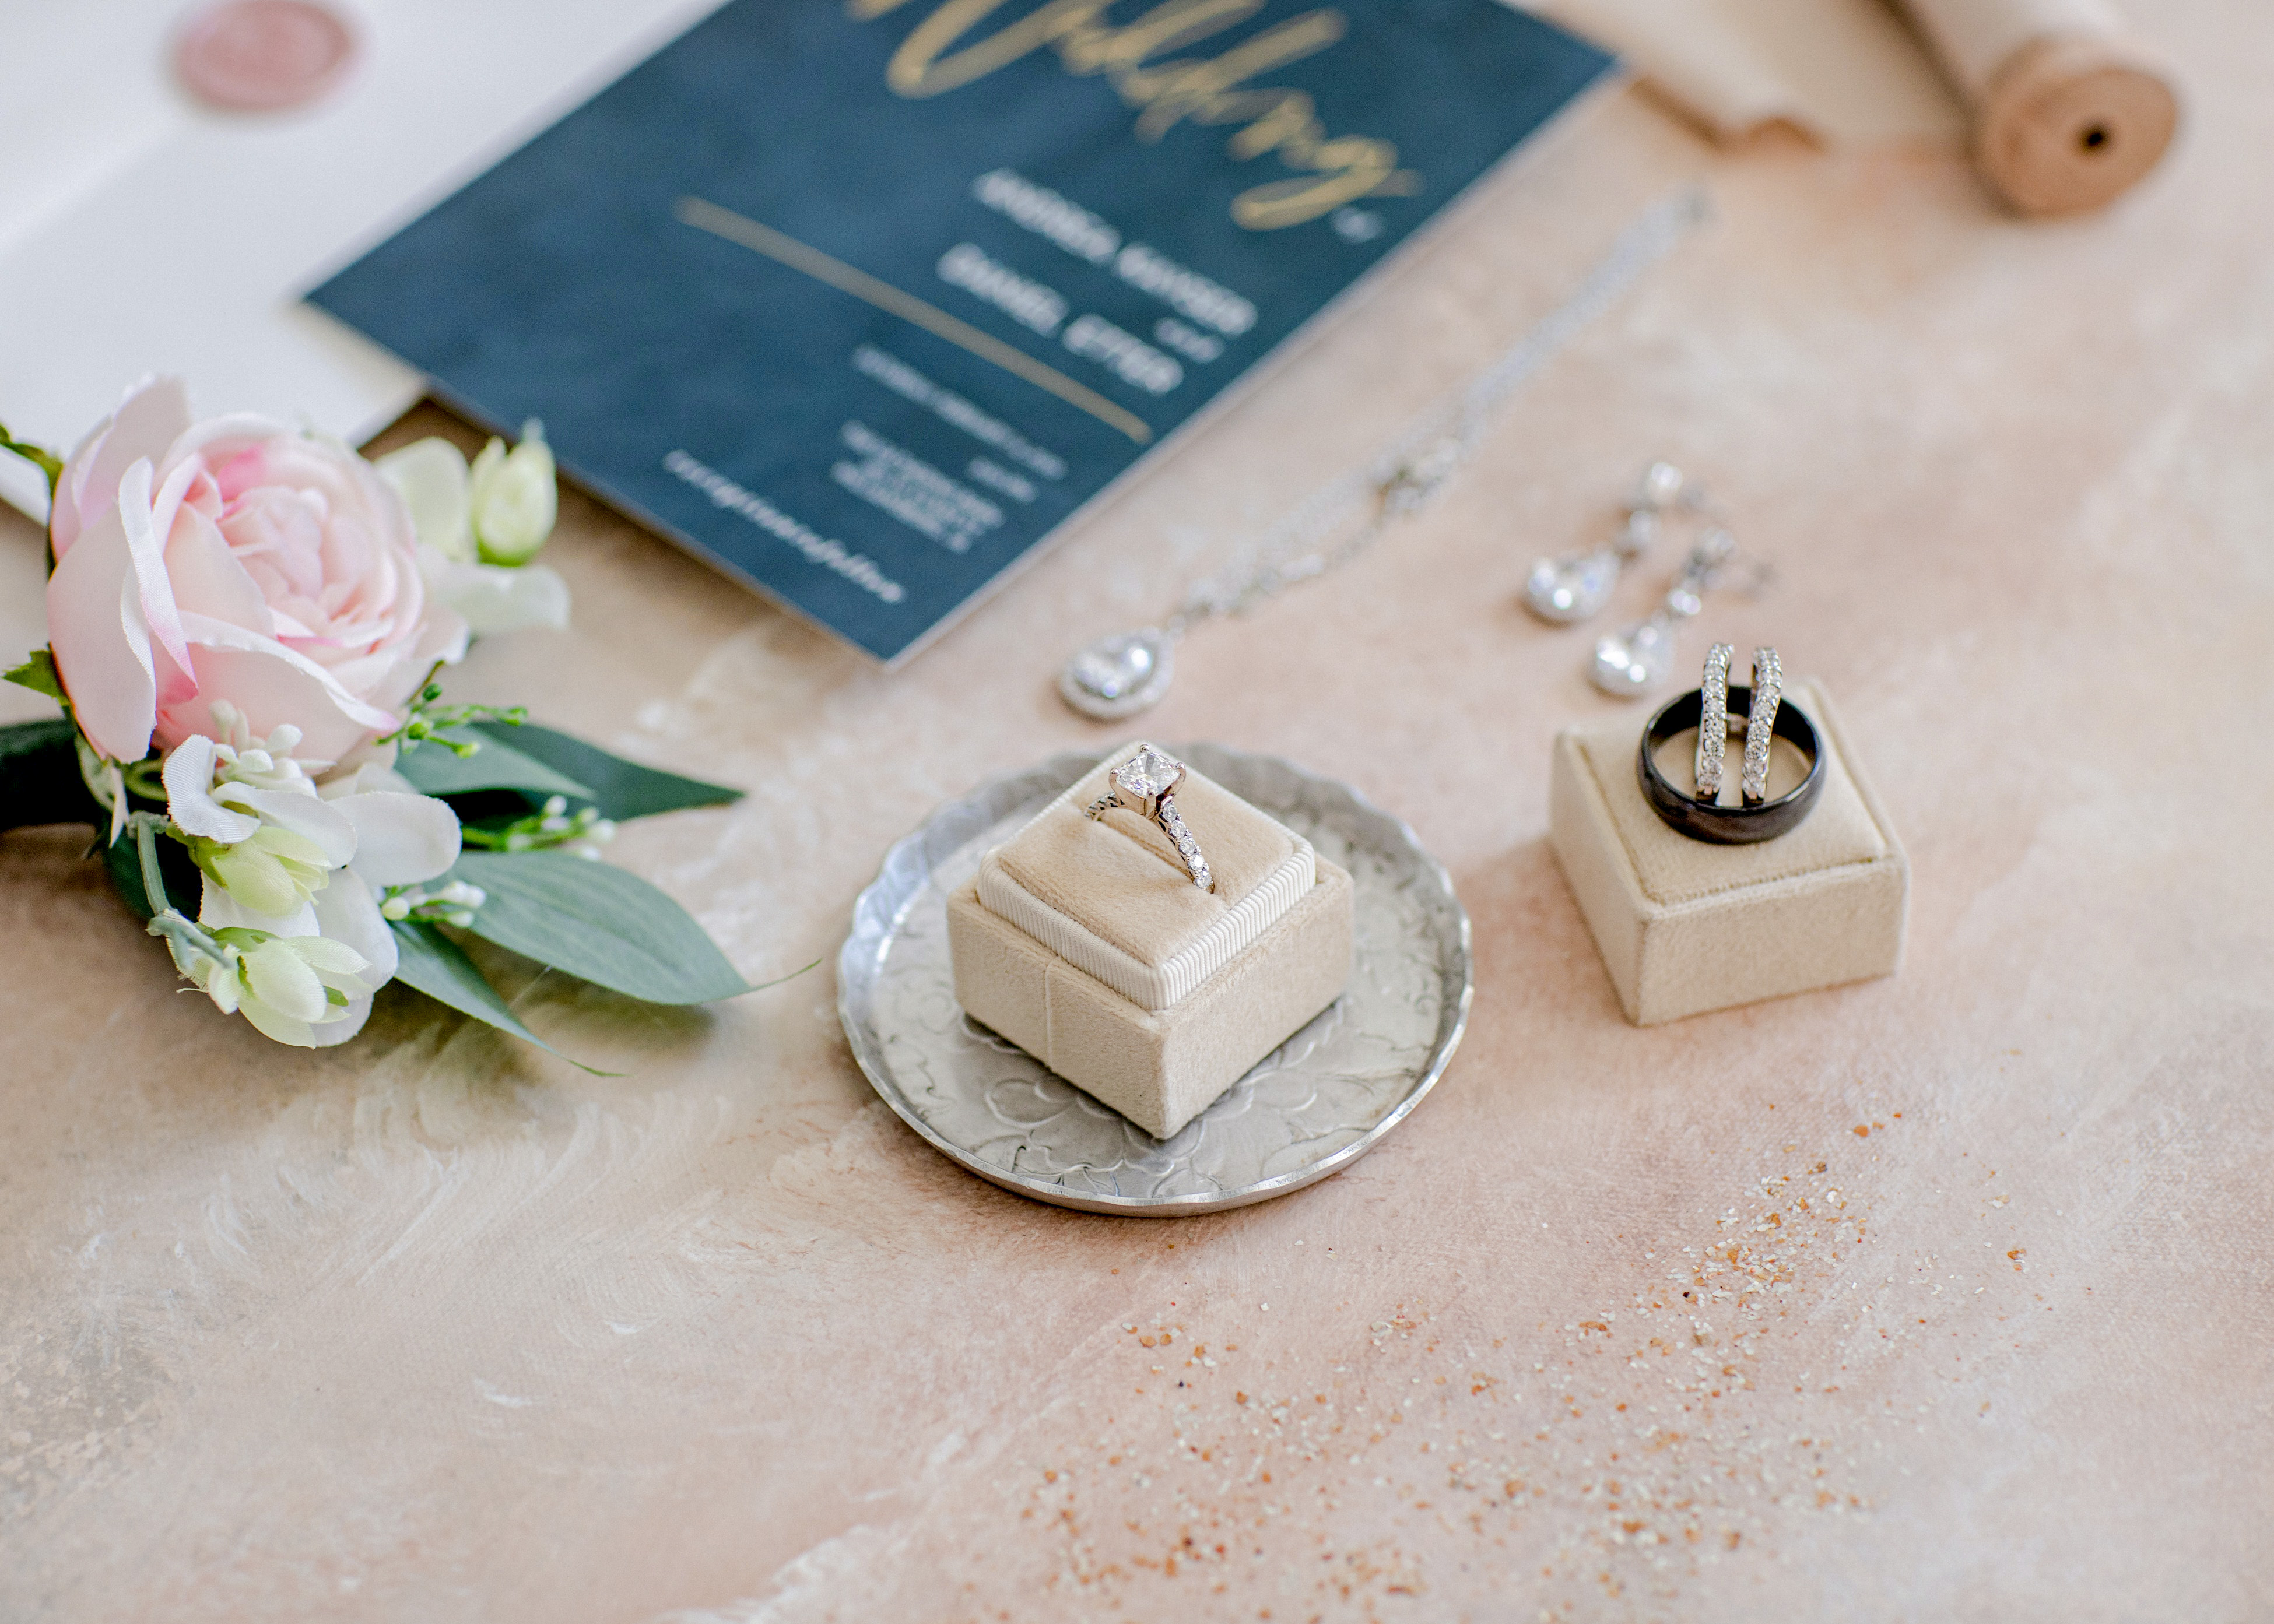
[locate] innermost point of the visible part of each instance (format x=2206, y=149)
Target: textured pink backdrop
x=1945, y=1296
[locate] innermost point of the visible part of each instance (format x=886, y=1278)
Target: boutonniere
x=247, y=624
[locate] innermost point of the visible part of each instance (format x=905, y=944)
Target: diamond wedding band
x=1767, y=694
x=1149, y=780
x=1699, y=813
x=1714, y=721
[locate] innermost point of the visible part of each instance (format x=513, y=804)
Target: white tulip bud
x=514, y=498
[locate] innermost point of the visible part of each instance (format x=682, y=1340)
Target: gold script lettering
x=1164, y=28
x=917, y=68
x=1335, y=169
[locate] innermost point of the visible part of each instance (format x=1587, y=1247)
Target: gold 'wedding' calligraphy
x=936, y=58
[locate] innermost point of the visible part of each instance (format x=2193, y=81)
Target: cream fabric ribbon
x=1838, y=73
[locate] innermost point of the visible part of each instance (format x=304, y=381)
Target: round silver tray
x=1312, y=1107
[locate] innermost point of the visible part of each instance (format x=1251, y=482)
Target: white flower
x=501, y=510
x=254, y=824
x=292, y=877
x=514, y=497
x=453, y=905
x=491, y=597
x=288, y=987
x=431, y=476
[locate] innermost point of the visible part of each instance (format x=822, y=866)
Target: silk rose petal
x=234, y=561
x=148, y=517
x=101, y=642
x=272, y=684
x=153, y=415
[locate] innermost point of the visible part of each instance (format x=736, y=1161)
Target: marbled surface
x=1939, y=1298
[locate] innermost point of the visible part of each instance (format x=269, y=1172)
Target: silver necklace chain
x=1120, y=675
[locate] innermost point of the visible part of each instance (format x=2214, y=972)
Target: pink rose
x=238, y=561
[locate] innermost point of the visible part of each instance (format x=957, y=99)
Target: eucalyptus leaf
x=619, y=788
x=437, y=769
x=39, y=777
x=597, y=922
x=431, y=962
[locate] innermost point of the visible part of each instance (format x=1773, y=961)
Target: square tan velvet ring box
x=1684, y=926
x=1084, y=942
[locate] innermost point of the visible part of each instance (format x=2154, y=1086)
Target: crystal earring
x=1571, y=588
x=1629, y=663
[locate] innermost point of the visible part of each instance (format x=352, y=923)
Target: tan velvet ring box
x=1684, y=926
x=1084, y=943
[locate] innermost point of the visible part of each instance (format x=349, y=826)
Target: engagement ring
x=1149, y=781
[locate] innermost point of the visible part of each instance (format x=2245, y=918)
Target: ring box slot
x=1684, y=926
x=1084, y=942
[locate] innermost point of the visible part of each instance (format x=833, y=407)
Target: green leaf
x=431, y=962
x=597, y=922
x=38, y=674
x=436, y=965
x=39, y=777
x=436, y=769
x=619, y=788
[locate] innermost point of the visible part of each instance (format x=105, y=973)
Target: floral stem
x=38, y=456
x=424, y=719
x=147, y=825
x=142, y=779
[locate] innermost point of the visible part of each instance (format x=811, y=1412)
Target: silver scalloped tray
x=1310, y=1108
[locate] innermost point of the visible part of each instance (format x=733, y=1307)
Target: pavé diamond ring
x=1768, y=694
x=1714, y=728
x=1146, y=784
x=1713, y=722
x=1697, y=813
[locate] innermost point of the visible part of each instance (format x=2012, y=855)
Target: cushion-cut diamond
x=1147, y=773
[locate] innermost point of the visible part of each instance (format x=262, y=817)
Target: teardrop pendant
x=1629, y=663
x=1564, y=590
x=1120, y=675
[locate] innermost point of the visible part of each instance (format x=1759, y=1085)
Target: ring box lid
x=1111, y=896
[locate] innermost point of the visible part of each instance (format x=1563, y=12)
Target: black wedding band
x=1720, y=825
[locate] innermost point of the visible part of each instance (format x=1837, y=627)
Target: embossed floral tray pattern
x=1315, y=1105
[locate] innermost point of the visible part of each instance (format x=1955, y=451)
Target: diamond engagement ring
x=1146, y=784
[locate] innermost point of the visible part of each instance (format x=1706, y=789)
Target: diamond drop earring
x=1629, y=663
x=1564, y=589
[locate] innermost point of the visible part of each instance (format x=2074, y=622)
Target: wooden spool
x=2069, y=111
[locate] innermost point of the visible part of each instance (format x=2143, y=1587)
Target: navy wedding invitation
x=862, y=301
